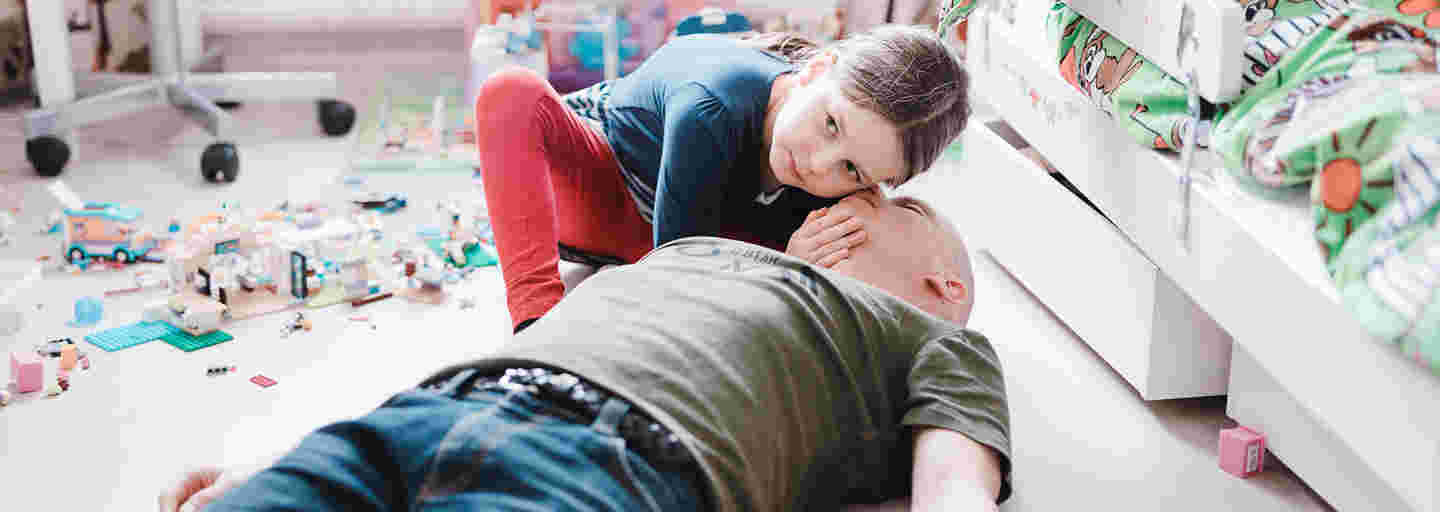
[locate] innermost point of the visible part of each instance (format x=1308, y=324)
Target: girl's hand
x=827, y=236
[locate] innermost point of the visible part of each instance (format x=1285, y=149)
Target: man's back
x=790, y=384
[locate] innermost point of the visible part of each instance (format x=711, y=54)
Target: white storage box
x=1087, y=272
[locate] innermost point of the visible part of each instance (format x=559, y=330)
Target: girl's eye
x=854, y=171
x=831, y=125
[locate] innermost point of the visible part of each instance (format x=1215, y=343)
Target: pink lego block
x=26, y=371
x=1242, y=451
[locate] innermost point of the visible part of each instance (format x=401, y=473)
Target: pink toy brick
x=1242, y=451
x=84, y=363
x=67, y=357
x=26, y=371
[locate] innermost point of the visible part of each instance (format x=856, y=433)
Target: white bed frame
x=1351, y=415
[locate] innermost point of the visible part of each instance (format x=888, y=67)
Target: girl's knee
x=509, y=91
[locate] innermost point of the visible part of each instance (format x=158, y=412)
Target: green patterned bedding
x=1354, y=115
x=1151, y=105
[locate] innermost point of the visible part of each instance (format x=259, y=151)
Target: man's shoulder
x=715, y=246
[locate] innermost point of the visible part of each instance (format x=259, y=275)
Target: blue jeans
x=450, y=449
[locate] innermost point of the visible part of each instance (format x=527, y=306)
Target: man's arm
x=953, y=472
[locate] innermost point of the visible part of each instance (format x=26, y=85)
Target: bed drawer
x=1087, y=272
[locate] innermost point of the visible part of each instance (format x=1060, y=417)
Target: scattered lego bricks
x=185, y=341
x=128, y=336
x=216, y=371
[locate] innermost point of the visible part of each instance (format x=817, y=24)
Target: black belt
x=580, y=398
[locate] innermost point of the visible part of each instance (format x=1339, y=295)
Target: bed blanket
x=1354, y=115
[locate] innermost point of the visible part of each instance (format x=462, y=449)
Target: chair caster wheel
x=220, y=162
x=336, y=117
x=228, y=105
x=48, y=154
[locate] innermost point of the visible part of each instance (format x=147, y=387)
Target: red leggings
x=549, y=179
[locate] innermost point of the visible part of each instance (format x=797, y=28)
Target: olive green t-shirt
x=791, y=384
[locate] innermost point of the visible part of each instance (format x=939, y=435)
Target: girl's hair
x=904, y=74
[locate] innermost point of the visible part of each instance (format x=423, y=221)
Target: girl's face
x=825, y=144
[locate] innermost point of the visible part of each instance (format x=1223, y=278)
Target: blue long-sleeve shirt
x=688, y=128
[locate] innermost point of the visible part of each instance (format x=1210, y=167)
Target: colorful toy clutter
x=576, y=58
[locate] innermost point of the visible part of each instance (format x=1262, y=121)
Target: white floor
x=1083, y=439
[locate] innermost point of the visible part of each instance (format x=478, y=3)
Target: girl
x=711, y=135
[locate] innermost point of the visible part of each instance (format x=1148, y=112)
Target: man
x=711, y=375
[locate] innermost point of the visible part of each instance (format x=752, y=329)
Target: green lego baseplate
x=189, y=343
x=128, y=336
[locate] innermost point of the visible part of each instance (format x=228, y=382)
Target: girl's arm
x=695, y=166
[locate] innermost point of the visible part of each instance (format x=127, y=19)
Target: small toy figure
x=295, y=324
x=54, y=347
x=4, y=397
x=53, y=224
x=215, y=371
x=67, y=357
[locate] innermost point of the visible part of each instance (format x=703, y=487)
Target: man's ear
x=817, y=66
x=948, y=288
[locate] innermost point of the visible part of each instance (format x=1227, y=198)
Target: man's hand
x=197, y=488
x=827, y=236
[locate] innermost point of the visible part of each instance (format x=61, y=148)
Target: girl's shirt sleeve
x=696, y=165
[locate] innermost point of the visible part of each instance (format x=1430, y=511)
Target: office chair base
x=48, y=154
x=336, y=117
x=220, y=162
